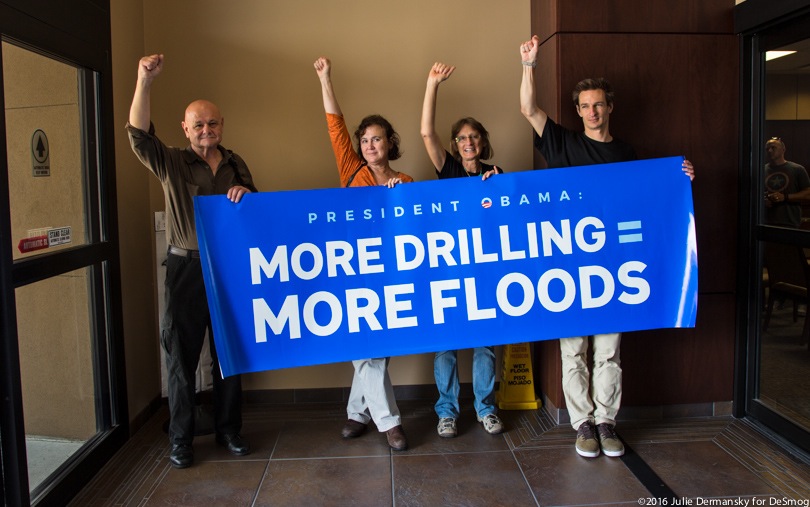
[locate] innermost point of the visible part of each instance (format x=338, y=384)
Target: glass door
x=784, y=356
x=66, y=406
x=775, y=358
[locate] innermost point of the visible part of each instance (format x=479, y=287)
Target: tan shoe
x=492, y=424
x=609, y=441
x=396, y=438
x=447, y=427
x=587, y=445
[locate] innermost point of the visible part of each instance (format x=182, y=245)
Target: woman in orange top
x=372, y=395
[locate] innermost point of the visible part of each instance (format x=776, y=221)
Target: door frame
x=77, y=33
x=762, y=25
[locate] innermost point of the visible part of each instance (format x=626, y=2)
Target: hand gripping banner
x=319, y=276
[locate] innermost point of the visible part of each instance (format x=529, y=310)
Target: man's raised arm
x=528, y=99
x=140, y=110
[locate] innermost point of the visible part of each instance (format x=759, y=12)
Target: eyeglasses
x=471, y=137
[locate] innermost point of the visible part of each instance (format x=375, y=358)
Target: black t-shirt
x=564, y=148
x=787, y=178
x=452, y=168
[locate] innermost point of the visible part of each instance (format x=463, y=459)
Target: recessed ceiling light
x=772, y=55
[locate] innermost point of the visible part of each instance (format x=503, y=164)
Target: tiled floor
x=299, y=459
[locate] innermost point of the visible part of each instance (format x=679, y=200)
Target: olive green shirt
x=184, y=174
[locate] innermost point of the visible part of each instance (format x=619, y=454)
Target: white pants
x=372, y=395
x=592, y=396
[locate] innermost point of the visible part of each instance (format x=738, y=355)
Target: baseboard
x=144, y=415
x=428, y=392
x=631, y=413
x=341, y=394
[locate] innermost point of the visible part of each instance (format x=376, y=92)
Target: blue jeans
x=445, y=370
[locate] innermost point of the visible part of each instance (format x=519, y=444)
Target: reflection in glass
x=784, y=354
x=46, y=185
x=45, y=158
x=54, y=329
x=787, y=187
x=786, y=139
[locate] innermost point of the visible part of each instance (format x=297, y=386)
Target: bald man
x=202, y=168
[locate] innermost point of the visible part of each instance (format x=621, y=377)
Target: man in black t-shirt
x=787, y=186
x=592, y=397
x=565, y=148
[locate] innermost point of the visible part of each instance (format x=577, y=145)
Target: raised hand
x=440, y=72
x=150, y=66
x=323, y=67
x=528, y=50
x=140, y=110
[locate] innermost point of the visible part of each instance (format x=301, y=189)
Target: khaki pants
x=592, y=396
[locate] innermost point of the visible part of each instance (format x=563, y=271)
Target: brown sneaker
x=353, y=429
x=396, y=438
x=609, y=441
x=587, y=445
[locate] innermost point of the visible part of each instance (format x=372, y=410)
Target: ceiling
x=797, y=63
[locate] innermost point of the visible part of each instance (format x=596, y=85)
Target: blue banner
x=319, y=276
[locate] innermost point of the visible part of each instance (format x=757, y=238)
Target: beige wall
x=134, y=219
x=254, y=59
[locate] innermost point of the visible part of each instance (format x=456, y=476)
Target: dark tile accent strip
x=648, y=478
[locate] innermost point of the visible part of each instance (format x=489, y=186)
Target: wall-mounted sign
x=59, y=236
x=47, y=237
x=40, y=154
x=34, y=243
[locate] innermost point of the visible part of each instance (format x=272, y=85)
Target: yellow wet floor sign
x=516, y=391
